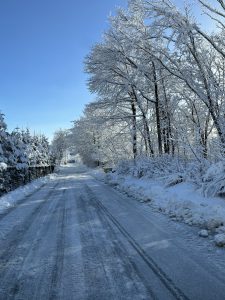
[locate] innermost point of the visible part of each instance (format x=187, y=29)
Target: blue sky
x=43, y=45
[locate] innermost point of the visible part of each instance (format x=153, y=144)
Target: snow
x=11, y=198
x=214, y=180
x=215, y=170
x=3, y=166
x=101, y=245
x=220, y=240
x=182, y=202
x=97, y=173
x=203, y=233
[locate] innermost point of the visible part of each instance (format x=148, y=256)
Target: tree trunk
x=146, y=127
x=147, y=135
x=157, y=109
x=134, y=128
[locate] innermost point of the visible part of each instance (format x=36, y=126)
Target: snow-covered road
x=77, y=238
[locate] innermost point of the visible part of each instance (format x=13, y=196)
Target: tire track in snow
x=130, y=271
x=168, y=283
x=59, y=261
x=15, y=237
x=95, y=273
x=108, y=272
x=28, y=255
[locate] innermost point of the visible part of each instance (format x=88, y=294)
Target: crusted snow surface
x=182, y=202
x=203, y=233
x=3, y=166
x=220, y=239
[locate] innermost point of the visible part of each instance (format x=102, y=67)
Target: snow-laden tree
x=186, y=54
x=20, y=149
x=100, y=137
x=151, y=81
x=18, y=156
x=160, y=84
x=3, y=140
x=59, y=145
x=216, y=11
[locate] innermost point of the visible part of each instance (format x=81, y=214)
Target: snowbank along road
x=77, y=238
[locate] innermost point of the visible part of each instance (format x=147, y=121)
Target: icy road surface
x=76, y=238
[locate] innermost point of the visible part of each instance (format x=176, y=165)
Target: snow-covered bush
x=214, y=180
x=124, y=167
x=174, y=179
x=195, y=170
x=151, y=167
x=174, y=170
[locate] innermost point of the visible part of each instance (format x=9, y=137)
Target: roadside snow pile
x=98, y=174
x=3, y=166
x=203, y=233
x=195, y=202
x=11, y=198
x=182, y=202
x=220, y=240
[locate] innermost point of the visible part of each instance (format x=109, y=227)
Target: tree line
x=159, y=81
x=20, y=149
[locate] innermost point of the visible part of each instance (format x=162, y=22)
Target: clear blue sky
x=43, y=45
